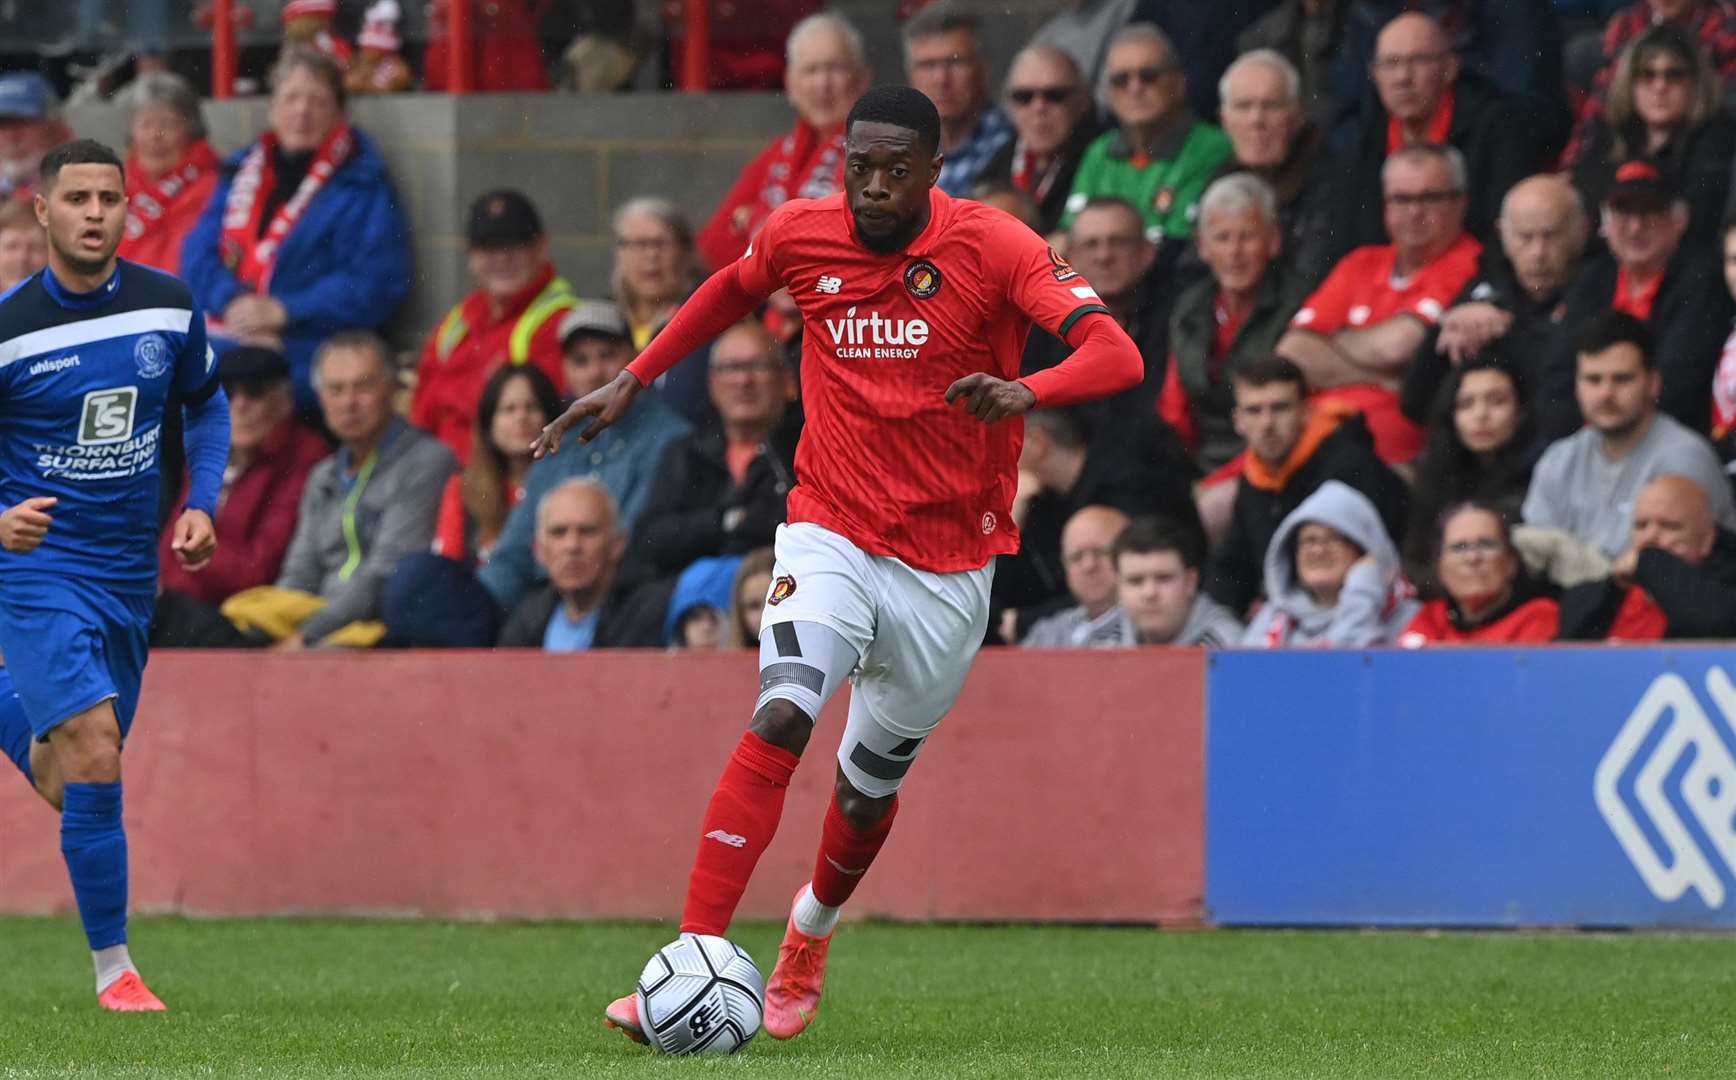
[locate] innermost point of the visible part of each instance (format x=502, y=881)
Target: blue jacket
x=346, y=264
x=623, y=459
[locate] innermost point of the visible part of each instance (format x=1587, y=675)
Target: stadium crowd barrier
x=1062, y=787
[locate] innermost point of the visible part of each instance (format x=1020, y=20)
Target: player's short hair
x=78, y=152
x=1446, y=155
x=366, y=340
x=1612, y=328
x=1268, y=371
x=579, y=483
x=900, y=106
x=1238, y=193
x=1153, y=535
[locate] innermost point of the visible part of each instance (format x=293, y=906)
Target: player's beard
x=81, y=263
x=888, y=243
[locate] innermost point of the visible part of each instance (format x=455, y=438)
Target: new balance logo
x=1670, y=725
x=726, y=838
x=704, y=1018
x=829, y=285
x=845, y=869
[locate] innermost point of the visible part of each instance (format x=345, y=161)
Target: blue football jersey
x=84, y=382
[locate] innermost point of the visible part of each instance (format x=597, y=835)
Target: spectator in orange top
x=1488, y=598
x=171, y=170
x=23, y=244
x=1355, y=337
x=825, y=74
x=516, y=403
x=512, y=316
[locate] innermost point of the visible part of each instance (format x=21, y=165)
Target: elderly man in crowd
x=1356, y=335
x=943, y=58
x=1516, y=301
x=1271, y=137
x=511, y=316
x=1585, y=485
x=1426, y=97
x=1088, y=560
x=825, y=72
x=1053, y=117
x=1159, y=157
x=30, y=126
x=579, y=545
x=1650, y=273
x=1677, y=578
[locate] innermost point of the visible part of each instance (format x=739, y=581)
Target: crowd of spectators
x=1437, y=345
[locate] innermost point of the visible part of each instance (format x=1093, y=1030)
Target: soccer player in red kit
x=915, y=308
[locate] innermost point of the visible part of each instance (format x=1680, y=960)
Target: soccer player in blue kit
x=91, y=349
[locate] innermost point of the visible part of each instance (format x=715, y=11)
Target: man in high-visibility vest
x=511, y=317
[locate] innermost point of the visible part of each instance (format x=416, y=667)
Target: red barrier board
x=1064, y=786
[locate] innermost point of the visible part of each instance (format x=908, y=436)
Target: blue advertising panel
x=1472, y=787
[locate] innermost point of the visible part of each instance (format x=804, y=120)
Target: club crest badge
x=782, y=589
x=151, y=354
x=922, y=278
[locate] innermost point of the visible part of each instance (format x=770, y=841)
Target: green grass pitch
x=304, y=998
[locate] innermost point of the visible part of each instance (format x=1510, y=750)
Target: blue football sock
x=15, y=736
x=95, y=847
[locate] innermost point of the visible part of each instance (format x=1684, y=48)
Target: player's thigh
x=931, y=626
x=53, y=641
x=820, y=582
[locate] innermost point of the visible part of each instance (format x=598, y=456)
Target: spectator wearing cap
x=30, y=126
x=512, y=317
x=1159, y=157
x=1664, y=106
x=1054, y=121
x=1424, y=96
x=943, y=58
x=597, y=346
x=23, y=243
x=826, y=72
x=1586, y=483
x=1356, y=335
x=1652, y=273
x=720, y=490
x=171, y=170
x=517, y=402
x=270, y=458
x=303, y=236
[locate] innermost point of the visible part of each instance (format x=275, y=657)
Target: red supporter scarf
x=151, y=199
x=1027, y=178
x=249, y=254
x=821, y=152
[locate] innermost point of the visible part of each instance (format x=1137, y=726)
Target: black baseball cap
x=253, y=369
x=1642, y=188
x=503, y=219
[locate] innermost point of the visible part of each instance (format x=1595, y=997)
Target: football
x=700, y=995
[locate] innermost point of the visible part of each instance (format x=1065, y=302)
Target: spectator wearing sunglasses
x=1160, y=156
x=1053, y=121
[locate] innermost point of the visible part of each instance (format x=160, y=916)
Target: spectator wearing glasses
x=943, y=58
x=1053, y=118
x=1425, y=97
x=1486, y=596
x=1356, y=335
x=1159, y=157
x=1664, y=107
x=1088, y=560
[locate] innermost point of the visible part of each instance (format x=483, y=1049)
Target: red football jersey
x=883, y=459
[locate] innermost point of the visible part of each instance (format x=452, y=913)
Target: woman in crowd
x=655, y=270
x=1664, y=105
x=23, y=244
x=303, y=236
x=1332, y=577
x=1486, y=596
x=517, y=401
x=171, y=170
x=753, y=581
x=1481, y=445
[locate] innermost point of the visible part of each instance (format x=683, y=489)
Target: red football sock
x=739, y=822
x=846, y=852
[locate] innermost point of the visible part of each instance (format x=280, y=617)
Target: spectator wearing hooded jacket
x=303, y=236
x=1332, y=577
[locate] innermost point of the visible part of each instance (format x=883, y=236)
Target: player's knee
x=87, y=749
x=782, y=724
x=861, y=810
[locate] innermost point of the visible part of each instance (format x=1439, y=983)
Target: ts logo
x=1670, y=711
x=107, y=416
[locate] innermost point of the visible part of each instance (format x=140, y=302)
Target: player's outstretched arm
x=22, y=527
x=602, y=406
x=989, y=399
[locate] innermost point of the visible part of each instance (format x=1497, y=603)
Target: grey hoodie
x=1376, y=603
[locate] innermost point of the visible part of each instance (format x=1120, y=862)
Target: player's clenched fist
x=603, y=406
x=989, y=399
x=195, y=539
x=22, y=527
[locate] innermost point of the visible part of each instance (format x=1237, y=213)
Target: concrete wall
x=577, y=157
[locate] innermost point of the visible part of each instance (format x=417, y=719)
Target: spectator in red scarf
x=826, y=72
x=303, y=237
x=1487, y=598
x=23, y=244
x=171, y=170
x=506, y=55
x=1052, y=115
